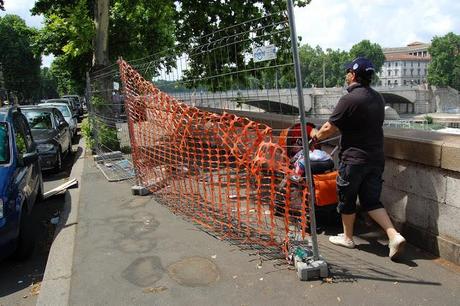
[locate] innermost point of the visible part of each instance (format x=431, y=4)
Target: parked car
x=69, y=116
x=77, y=102
x=69, y=102
x=21, y=184
x=51, y=133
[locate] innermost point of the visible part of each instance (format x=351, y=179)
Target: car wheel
x=26, y=238
x=58, y=165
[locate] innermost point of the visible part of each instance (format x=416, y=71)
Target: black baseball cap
x=360, y=65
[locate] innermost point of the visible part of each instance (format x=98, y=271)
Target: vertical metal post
x=88, y=91
x=324, y=74
x=303, y=122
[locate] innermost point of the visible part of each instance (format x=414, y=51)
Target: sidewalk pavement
x=133, y=251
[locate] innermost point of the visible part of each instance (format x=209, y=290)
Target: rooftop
x=402, y=56
x=414, y=46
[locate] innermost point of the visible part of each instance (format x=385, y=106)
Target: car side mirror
x=28, y=158
x=63, y=124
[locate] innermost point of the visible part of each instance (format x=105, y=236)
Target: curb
x=55, y=286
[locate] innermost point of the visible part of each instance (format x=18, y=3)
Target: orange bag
x=325, y=188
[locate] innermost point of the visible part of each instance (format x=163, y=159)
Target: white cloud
x=391, y=23
x=22, y=8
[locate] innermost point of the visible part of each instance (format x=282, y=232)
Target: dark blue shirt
x=359, y=116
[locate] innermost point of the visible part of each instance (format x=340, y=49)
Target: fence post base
x=311, y=269
x=139, y=190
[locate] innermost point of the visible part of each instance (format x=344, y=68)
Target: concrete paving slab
x=133, y=251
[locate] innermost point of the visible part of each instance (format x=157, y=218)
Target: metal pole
x=324, y=74
x=303, y=122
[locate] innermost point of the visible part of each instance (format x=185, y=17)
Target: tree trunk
x=101, y=40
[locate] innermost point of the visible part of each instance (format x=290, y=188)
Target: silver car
x=69, y=116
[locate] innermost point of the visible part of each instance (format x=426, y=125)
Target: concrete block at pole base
x=311, y=269
x=139, y=190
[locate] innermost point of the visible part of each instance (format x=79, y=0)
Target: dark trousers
x=363, y=181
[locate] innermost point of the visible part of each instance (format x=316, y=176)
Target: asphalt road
x=20, y=281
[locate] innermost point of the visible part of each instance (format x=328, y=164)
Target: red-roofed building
x=405, y=65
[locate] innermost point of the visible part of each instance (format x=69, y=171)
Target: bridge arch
x=273, y=106
x=401, y=104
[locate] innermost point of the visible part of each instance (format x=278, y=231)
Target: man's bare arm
x=327, y=131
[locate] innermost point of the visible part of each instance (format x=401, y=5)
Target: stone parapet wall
x=421, y=189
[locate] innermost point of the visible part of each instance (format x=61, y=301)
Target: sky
x=339, y=24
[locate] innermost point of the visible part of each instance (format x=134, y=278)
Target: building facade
x=405, y=66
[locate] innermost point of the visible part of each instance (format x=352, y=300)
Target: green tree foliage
x=48, y=85
x=137, y=29
x=311, y=65
x=335, y=61
x=210, y=26
x=444, y=69
x=21, y=64
x=314, y=59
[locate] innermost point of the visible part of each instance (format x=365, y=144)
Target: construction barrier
x=224, y=172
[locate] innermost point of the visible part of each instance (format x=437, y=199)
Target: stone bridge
x=318, y=101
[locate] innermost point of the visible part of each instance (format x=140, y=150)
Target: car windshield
x=39, y=120
x=4, y=143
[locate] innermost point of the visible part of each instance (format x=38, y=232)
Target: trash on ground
x=61, y=188
x=35, y=290
x=155, y=289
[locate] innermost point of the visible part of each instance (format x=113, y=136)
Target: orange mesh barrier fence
x=225, y=172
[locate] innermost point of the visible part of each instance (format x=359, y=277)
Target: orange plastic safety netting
x=225, y=172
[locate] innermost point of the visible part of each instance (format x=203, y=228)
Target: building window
x=389, y=82
x=396, y=83
x=418, y=71
x=396, y=72
x=396, y=64
x=418, y=64
x=411, y=72
x=404, y=71
x=412, y=64
x=389, y=64
x=404, y=64
x=389, y=72
x=405, y=82
x=424, y=72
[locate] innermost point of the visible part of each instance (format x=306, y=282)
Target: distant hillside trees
x=317, y=64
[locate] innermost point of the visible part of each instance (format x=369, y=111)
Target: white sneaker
x=396, y=246
x=340, y=240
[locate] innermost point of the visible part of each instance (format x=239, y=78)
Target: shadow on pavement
x=15, y=275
